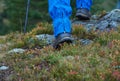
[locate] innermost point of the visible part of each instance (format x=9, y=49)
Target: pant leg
x=84, y=4
x=60, y=11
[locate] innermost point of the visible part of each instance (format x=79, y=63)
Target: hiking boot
x=62, y=38
x=83, y=14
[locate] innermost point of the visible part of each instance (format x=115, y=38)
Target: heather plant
x=98, y=61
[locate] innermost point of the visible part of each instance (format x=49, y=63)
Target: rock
x=69, y=58
x=90, y=27
x=4, y=68
x=85, y=41
x=16, y=51
x=113, y=15
x=102, y=25
x=47, y=38
x=94, y=17
x=113, y=24
x=110, y=20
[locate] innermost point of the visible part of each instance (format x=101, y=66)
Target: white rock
x=17, y=50
x=46, y=37
x=4, y=68
x=114, y=14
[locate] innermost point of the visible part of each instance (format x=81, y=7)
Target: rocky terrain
x=10, y=59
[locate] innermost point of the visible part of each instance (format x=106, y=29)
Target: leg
x=60, y=11
x=83, y=9
x=83, y=4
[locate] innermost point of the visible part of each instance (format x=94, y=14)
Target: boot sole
x=81, y=16
x=67, y=40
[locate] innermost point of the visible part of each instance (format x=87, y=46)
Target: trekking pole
x=26, y=17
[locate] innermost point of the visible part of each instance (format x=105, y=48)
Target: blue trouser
x=60, y=11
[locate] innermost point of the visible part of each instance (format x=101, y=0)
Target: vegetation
x=98, y=61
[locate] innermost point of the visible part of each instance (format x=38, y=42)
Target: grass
x=97, y=61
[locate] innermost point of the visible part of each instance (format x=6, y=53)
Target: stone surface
x=4, y=68
x=16, y=51
x=85, y=41
x=47, y=38
x=110, y=20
